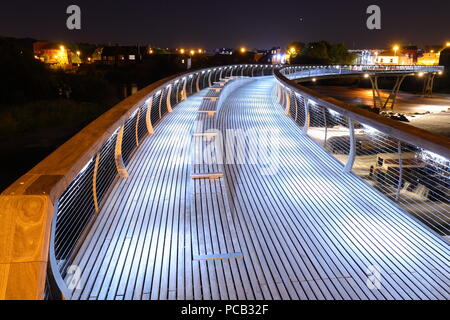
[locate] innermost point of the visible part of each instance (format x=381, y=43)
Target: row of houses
x=408, y=55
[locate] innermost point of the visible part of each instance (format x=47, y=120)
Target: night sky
x=214, y=23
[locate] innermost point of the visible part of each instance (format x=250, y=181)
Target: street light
x=396, y=48
x=192, y=52
x=243, y=50
x=182, y=51
x=78, y=53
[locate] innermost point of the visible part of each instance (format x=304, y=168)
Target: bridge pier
x=428, y=85
x=389, y=103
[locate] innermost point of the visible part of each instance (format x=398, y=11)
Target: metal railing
x=79, y=205
x=306, y=72
x=406, y=164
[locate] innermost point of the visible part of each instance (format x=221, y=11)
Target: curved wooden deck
x=308, y=231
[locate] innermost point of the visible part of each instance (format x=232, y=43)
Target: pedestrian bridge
x=234, y=183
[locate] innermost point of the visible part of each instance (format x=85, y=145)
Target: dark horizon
x=253, y=24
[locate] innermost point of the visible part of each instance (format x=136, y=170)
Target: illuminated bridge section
x=305, y=230
x=234, y=182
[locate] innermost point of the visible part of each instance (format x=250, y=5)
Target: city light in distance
x=243, y=50
x=396, y=48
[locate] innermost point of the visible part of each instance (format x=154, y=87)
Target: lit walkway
x=308, y=231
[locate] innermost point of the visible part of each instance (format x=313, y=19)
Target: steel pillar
x=389, y=103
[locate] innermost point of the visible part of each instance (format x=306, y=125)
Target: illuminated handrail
x=305, y=72
x=69, y=186
x=409, y=165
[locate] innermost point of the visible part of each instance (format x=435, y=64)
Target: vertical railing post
x=209, y=78
x=148, y=116
x=184, y=92
x=178, y=92
x=352, y=152
x=160, y=103
x=287, y=111
x=400, y=171
x=94, y=183
x=326, y=126
x=169, y=104
x=121, y=169
x=197, y=82
x=136, y=131
x=220, y=75
x=307, y=118
x=296, y=107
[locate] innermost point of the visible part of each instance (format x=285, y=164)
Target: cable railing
x=306, y=72
x=68, y=189
x=408, y=165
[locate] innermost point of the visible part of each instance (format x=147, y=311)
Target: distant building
x=391, y=58
x=225, y=51
x=52, y=53
x=365, y=57
x=412, y=52
x=277, y=56
x=430, y=56
x=122, y=54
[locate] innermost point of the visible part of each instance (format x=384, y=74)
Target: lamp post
x=396, y=48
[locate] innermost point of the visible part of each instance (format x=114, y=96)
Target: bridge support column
x=428, y=85
x=352, y=152
x=389, y=103
x=120, y=166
